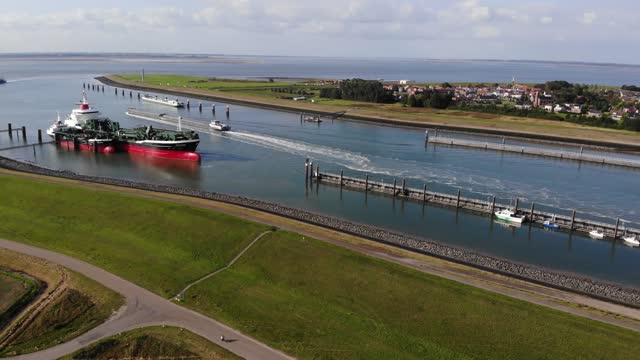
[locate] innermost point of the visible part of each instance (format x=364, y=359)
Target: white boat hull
x=631, y=240
x=509, y=218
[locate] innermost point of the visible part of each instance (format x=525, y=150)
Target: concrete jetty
x=536, y=151
x=457, y=201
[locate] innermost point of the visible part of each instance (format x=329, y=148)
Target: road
x=142, y=308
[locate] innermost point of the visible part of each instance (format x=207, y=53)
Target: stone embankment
x=569, y=282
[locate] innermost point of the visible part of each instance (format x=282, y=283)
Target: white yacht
x=510, y=216
x=631, y=240
x=77, y=118
x=163, y=101
x=596, y=234
x=219, y=126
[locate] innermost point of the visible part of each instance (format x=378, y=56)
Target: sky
x=567, y=30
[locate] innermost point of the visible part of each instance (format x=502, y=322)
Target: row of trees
x=566, y=92
x=431, y=99
x=359, y=90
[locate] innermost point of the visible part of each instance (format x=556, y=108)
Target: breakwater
x=536, y=151
x=400, y=190
x=580, y=285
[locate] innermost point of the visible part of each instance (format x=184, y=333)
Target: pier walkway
x=400, y=190
x=537, y=151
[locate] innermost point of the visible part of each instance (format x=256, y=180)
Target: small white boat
x=597, y=234
x=631, y=240
x=510, y=216
x=163, y=101
x=219, y=126
x=315, y=119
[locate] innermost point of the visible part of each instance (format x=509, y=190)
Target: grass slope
x=153, y=343
x=159, y=245
x=319, y=301
x=84, y=305
x=16, y=291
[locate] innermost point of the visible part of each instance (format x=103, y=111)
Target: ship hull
x=105, y=147
x=162, y=152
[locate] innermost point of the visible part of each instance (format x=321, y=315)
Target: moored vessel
x=162, y=101
x=631, y=240
x=596, y=234
x=96, y=135
x=2, y=81
x=509, y=216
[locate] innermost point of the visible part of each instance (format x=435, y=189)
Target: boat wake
x=440, y=177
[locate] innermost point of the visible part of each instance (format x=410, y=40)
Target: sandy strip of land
x=557, y=299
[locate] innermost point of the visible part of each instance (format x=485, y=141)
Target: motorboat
x=219, y=126
x=510, y=216
x=163, y=101
x=631, y=240
x=596, y=234
x=315, y=119
x=78, y=117
x=550, y=224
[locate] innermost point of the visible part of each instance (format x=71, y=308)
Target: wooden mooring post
x=404, y=191
x=515, y=210
x=458, y=200
x=424, y=194
x=615, y=232
x=493, y=206
x=366, y=184
x=10, y=130
x=228, y=110
x=394, y=187
x=573, y=220
x=306, y=169
x=24, y=133
x=533, y=206
x=39, y=136
x=341, y=176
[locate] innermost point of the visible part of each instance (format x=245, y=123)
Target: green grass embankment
x=316, y=300
x=153, y=343
x=158, y=245
x=77, y=305
x=16, y=291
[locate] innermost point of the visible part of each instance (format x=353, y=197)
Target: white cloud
x=486, y=32
x=546, y=20
x=589, y=17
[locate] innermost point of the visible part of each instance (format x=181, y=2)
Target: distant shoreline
x=110, y=80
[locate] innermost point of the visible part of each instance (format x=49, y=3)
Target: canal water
x=263, y=157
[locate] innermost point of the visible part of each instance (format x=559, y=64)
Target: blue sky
x=592, y=31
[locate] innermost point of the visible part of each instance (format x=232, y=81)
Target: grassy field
x=16, y=291
x=83, y=305
x=317, y=301
x=153, y=343
x=260, y=93
x=160, y=246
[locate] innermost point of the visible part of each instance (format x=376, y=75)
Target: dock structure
x=536, y=151
x=457, y=201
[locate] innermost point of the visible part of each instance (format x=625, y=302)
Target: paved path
x=143, y=308
x=181, y=293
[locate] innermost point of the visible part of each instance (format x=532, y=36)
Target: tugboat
x=2, y=81
x=164, y=101
x=77, y=118
x=159, y=143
